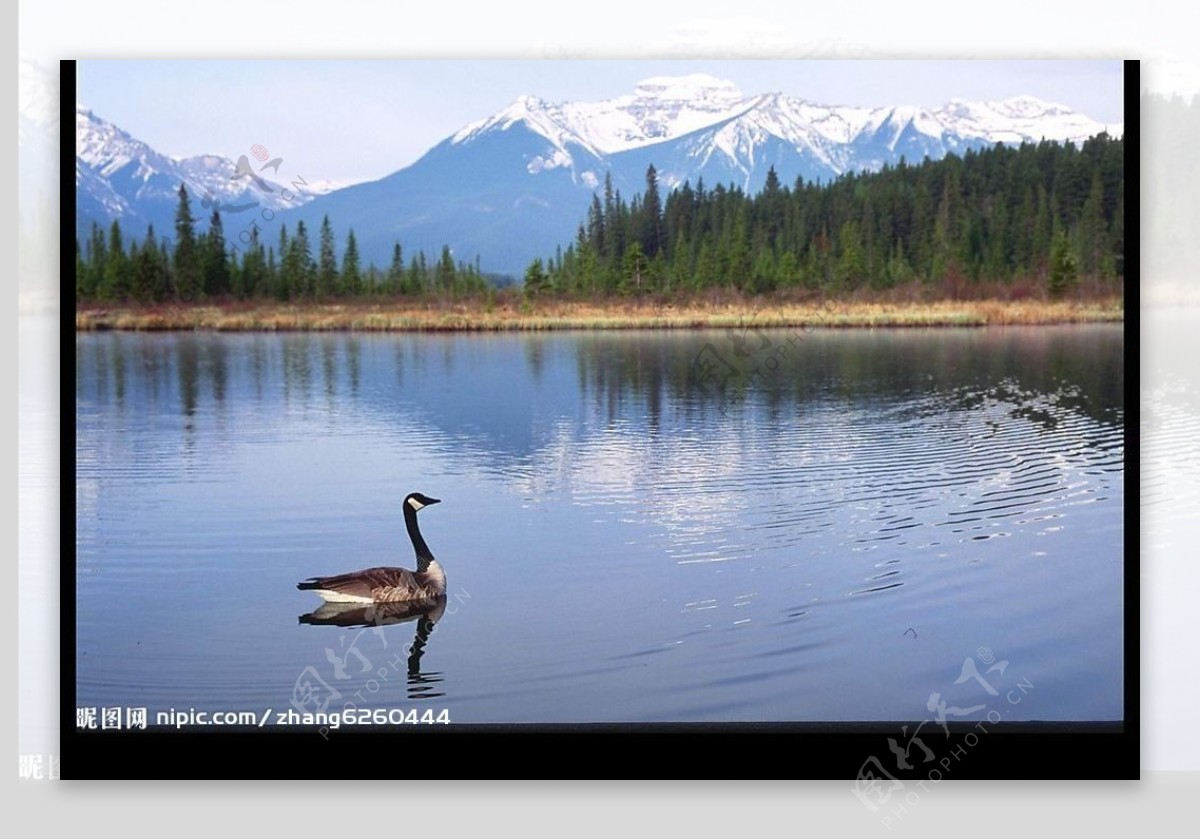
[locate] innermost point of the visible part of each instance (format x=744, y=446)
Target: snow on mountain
x=1020, y=118
x=105, y=149
x=140, y=172
x=661, y=108
x=726, y=129
x=119, y=176
x=541, y=117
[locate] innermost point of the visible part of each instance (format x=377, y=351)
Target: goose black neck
x=424, y=555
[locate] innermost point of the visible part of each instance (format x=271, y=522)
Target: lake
x=772, y=525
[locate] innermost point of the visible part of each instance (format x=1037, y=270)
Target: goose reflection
x=422, y=685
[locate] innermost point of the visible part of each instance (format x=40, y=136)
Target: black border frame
x=686, y=751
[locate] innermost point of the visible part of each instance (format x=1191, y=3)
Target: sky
x=350, y=121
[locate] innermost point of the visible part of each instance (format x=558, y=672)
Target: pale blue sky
x=359, y=120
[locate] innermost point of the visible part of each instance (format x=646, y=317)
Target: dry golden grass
x=612, y=315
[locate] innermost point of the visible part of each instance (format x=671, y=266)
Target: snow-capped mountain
x=728, y=131
x=516, y=184
x=661, y=108
x=118, y=176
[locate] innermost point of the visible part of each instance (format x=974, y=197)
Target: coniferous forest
x=1043, y=216
x=199, y=267
x=1047, y=213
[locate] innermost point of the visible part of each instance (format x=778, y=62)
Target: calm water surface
x=635, y=526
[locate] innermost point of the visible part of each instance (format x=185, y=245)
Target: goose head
x=416, y=501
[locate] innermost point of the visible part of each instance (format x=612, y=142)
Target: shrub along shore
x=513, y=313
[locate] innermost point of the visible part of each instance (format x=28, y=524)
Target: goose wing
x=381, y=583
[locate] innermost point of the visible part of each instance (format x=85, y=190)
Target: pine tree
x=414, y=281
x=97, y=259
x=652, y=216
x=595, y=225
x=771, y=208
x=920, y=247
x=1022, y=238
x=445, y=271
x=351, y=274
x=851, y=265
x=763, y=278
x=1093, y=243
x=187, y=269
x=278, y=267
x=327, y=268
x=1118, y=234
x=114, y=286
x=535, y=279
x=395, y=275
x=633, y=272
x=1064, y=268
x=166, y=272
x=737, y=269
x=307, y=268
x=81, y=290
x=788, y=270
x=216, y=260
x=944, y=238
x=706, y=267
x=614, y=238
x=298, y=274
x=372, y=282
x=1043, y=228
x=148, y=279
x=271, y=283
x=252, y=279
x=898, y=270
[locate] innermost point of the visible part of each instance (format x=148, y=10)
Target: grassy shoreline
x=482, y=316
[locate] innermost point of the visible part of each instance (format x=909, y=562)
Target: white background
x=1163, y=34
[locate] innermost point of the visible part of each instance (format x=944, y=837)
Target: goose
x=385, y=584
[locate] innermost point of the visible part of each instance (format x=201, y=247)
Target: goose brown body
x=381, y=585
x=388, y=584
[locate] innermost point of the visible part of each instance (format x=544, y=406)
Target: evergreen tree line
x=1046, y=212
x=204, y=266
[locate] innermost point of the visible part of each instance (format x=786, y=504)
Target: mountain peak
x=528, y=109
x=527, y=102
